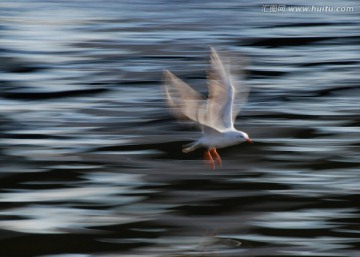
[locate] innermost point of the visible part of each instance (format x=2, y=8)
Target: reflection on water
x=91, y=159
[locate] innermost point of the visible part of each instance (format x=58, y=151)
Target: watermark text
x=281, y=8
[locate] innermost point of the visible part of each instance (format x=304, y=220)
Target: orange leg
x=216, y=156
x=208, y=158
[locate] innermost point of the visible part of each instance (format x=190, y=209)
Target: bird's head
x=242, y=137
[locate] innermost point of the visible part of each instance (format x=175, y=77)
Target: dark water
x=91, y=161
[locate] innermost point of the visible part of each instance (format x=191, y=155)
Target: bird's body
x=219, y=140
x=215, y=115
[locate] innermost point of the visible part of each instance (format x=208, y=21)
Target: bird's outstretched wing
x=184, y=101
x=227, y=93
x=219, y=111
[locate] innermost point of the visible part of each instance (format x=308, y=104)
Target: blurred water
x=91, y=158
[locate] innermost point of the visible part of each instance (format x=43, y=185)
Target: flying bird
x=216, y=114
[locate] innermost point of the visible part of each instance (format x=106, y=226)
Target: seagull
x=216, y=114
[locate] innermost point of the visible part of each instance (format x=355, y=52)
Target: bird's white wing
x=226, y=93
x=184, y=101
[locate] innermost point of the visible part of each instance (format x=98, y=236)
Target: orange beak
x=249, y=140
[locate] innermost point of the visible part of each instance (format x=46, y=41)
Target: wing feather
x=184, y=101
x=226, y=93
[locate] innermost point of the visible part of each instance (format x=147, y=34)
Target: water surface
x=91, y=158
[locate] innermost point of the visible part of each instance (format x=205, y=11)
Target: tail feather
x=191, y=147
